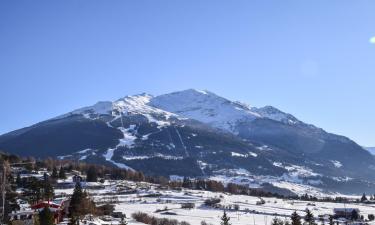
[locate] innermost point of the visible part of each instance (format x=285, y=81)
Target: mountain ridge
x=199, y=134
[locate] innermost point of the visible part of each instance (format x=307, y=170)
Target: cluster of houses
x=27, y=214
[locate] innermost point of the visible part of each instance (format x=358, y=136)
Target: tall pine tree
x=354, y=216
x=92, y=174
x=48, y=191
x=74, y=205
x=363, y=198
x=296, y=219
x=80, y=205
x=62, y=174
x=19, y=181
x=225, y=219
x=309, y=218
x=54, y=174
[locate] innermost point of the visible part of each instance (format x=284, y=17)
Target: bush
x=184, y=223
x=106, y=209
x=147, y=219
x=212, y=201
x=140, y=217
x=205, y=223
x=261, y=202
x=187, y=205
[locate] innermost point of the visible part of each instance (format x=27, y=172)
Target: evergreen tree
x=74, y=206
x=54, y=174
x=225, y=219
x=355, y=215
x=296, y=219
x=92, y=175
x=277, y=221
x=62, y=174
x=45, y=177
x=46, y=217
x=363, y=198
x=48, y=191
x=34, y=190
x=80, y=205
x=330, y=219
x=309, y=217
x=19, y=181
x=186, y=183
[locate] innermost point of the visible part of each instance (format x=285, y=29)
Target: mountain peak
x=200, y=105
x=205, y=107
x=273, y=113
x=192, y=92
x=137, y=128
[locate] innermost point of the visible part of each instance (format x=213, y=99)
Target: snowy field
x=167, y=204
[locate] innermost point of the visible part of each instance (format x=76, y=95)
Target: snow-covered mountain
x=203, y=106
x=216, y=111
x=200, y=134
x=129, y=105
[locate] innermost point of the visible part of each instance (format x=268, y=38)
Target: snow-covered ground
x=292, y=181
x=149, y=199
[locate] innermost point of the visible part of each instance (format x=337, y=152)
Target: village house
x=27, y=216
x=57, y=207
x=77, y=178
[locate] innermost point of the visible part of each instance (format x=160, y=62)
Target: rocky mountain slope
x=199, y=134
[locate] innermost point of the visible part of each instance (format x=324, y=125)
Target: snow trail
x=182, y=143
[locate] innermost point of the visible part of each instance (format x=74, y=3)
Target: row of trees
x=147, y=219
x=309, y=219
x=364, y=198
x=295, y=219
x=216, y=186
x=37, y=190
x=58, y=174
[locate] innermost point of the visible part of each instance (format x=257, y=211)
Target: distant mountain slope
x=199, y=134
x=371, y=150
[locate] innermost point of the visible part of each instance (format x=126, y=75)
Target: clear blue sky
x=310, y=58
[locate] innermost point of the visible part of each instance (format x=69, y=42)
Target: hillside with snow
x=200, y=134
